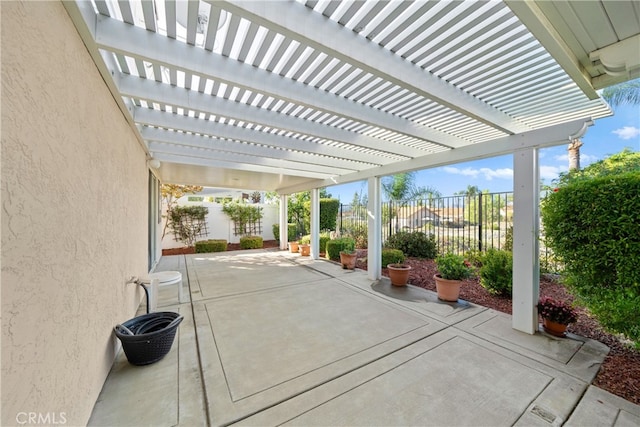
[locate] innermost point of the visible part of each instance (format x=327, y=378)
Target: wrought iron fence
x=459, y=223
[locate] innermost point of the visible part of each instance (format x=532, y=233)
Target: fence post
x=480, y=221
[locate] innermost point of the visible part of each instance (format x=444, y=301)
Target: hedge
x=211, y=245
x=335, y=246
x=592, y=224
x=251, y=242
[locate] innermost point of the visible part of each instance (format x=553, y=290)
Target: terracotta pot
x=305, y=250
x=448, y=290
x=293, y=247
x=348, y=260
x=399, y=274
x=554, y=328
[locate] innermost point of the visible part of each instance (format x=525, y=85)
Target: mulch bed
x=620, y=371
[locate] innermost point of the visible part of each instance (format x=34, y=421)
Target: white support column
x=315, y=223
x=284, y=225
x=374, y=222
x=526, y=263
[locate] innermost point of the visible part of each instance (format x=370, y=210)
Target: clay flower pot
x=348, y=260
x=305, y=249
x=554, y=328
x=293, y=247
x=399, y=274
x=448, y=290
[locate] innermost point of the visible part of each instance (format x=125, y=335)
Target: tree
x=170, y=195
x=401, y=188
x=623, y=93
x=616, y=95
x=298, y=209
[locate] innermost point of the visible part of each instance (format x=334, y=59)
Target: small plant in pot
x=348, y=259
x=556, y=315
x=398, y=270
x=452, y=270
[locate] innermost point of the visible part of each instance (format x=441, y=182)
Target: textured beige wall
x=74, y=218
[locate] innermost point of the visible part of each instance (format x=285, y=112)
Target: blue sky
x=607, y=136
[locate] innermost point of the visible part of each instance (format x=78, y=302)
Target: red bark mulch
x=620, y=371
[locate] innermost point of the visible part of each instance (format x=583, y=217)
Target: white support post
x=374, y=222
x=526, y=263
x=284, y=225
x=315, y=223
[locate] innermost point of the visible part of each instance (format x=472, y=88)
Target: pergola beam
x=540, y=138
x=165, y=94
x=300, y=23
x=145, y=116
x=144, y=45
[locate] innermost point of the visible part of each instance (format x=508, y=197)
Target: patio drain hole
x=544, y=414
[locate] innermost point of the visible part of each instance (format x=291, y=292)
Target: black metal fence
x=459, y=223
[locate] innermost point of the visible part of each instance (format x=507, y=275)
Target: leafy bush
x=187, y=223
x=323, y=238
x=245, y=217
x=496, y=273
x=453, y=267
x=416, y=244
x=392, y=256
x=336, y=245
x=291, y=232
x=360, y=235
x=328, y=213
x=591, y=223
x=508, y=239
x=211, y=245
x=251, y=242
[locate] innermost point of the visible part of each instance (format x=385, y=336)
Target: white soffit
x=277, y=95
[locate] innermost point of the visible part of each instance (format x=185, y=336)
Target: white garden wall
x=74, y=220
x=219, y=226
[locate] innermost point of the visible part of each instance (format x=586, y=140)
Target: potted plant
x=305, y=249
x=293, y=246
x=399, y=273
x=348, y=259
x=452, y=270
x=556, y=315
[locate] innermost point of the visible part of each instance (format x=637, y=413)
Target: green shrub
x=361, y=236
x=336, y=245
x=416, y=244
x=591, y=224
x=453, y=267
x=392, y=256
x=323, y=238
x=305, y=240
x=508, y=239
x=496, y=273
x=474, y=257
x=250, y=242
x=291, y=229
x=328, y=213
x=211, y=245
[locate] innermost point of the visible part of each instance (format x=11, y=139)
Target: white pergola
x=289, y=96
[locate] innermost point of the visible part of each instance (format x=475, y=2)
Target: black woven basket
x=148, y=338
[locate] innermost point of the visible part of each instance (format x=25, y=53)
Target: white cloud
x=549, y=173
x=627, y=132
x=487, y=173
x=585, y=159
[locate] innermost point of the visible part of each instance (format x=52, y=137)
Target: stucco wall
x=74, y=218
x=219, y=226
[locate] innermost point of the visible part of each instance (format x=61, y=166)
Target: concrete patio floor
x=272, y=338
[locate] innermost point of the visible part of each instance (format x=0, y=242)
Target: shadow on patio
x=273, y=338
